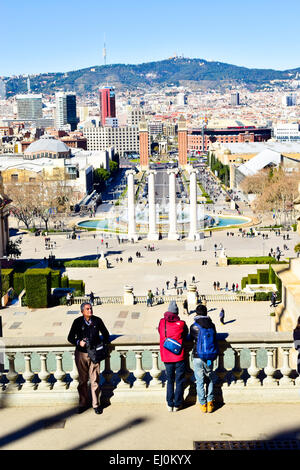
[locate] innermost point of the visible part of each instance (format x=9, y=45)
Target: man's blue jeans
x=202, y=370
x=175, y=376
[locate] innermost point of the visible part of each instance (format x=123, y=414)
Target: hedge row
x=77, y=263
x=263, y=276
x=38, y=284
x=254, y=260
x=38, y=287
x=262, y=296
x=6, y=280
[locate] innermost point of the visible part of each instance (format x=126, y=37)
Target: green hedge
x=18, y=282
x=55, y=278
x=244, y=282
x=64, y=281
x=76, y=263
x=6, y=279
x=78, y=285
x=263, y=276
x=38, y=287
x=252, y=279
x=81, y=263
x=262, y=296
x=253, y=260
x=272, y=275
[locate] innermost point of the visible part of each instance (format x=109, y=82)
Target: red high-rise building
x=182, y=142
x=107, y=104
x=144, y=144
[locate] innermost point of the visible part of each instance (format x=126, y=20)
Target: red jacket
x=176, y=329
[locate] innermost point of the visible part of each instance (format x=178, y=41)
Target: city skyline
x=68, y=37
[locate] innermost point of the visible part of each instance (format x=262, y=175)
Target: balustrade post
x=155, y=371
x=59, y=374
x=286, y=369
x=12, y=375
x=139, y=372
x=74, y=374
x=107, y=373
x=123, y=373
x=237, y=370
x=28, y=374
x=44, y=373
x=253, y=370
x=270, y=369
x=220, y=371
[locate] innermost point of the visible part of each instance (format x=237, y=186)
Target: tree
x=22, y=206
x=274, y=190
x=100, y=177
x=13, y=248
x=53, y=199
x=113, y=167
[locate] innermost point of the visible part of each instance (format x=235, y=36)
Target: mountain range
x=196, y=73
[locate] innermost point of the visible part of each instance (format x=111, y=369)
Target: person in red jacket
x=171, y=326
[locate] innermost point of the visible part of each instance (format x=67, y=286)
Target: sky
x=64, y=35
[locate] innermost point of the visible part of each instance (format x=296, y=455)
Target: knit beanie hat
x=173, y=307
x=201, y=310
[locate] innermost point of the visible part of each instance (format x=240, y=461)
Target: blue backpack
x=207, y=346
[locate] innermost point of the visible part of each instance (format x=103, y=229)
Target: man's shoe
x=98, y=410
x=81, y=409
x=210, y=407
x=170, y=408
x=203, y=408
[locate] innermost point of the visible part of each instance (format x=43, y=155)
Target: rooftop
x=255, y=147
x=47, y=143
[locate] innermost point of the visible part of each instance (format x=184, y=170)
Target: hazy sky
x=63, y=35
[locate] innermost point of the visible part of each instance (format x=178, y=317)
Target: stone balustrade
x=250, y=368
x=111, y=299
x=166, y=298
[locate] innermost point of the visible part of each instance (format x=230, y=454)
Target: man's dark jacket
x=205, y=322
x=80, y=330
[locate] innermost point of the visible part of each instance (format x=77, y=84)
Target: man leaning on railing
x=85, y=335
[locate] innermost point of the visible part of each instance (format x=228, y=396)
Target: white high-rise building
x=289, y=100
x=181, y=99
x=65, y=113
x=29, y=106
x=134, y=116
x=287, y=132
x=124, y=139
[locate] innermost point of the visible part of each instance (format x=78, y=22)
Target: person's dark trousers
x=175, y=377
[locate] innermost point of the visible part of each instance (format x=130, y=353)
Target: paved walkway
x=151, y=427
x=144, y=427
x=179, y=259
x=24, y=322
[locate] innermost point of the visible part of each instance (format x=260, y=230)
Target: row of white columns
x=152, y=232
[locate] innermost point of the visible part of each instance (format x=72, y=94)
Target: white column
x=193, y=234
x=172, y=235
x=131, y=228
x=152, y=233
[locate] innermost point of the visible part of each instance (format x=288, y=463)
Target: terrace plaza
x=259, y=397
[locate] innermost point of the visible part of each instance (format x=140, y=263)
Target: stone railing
x=111, y=299
x=164, y=299
x=250, y=368
x=129, y=298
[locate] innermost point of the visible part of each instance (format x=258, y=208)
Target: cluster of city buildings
x=68, y=135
